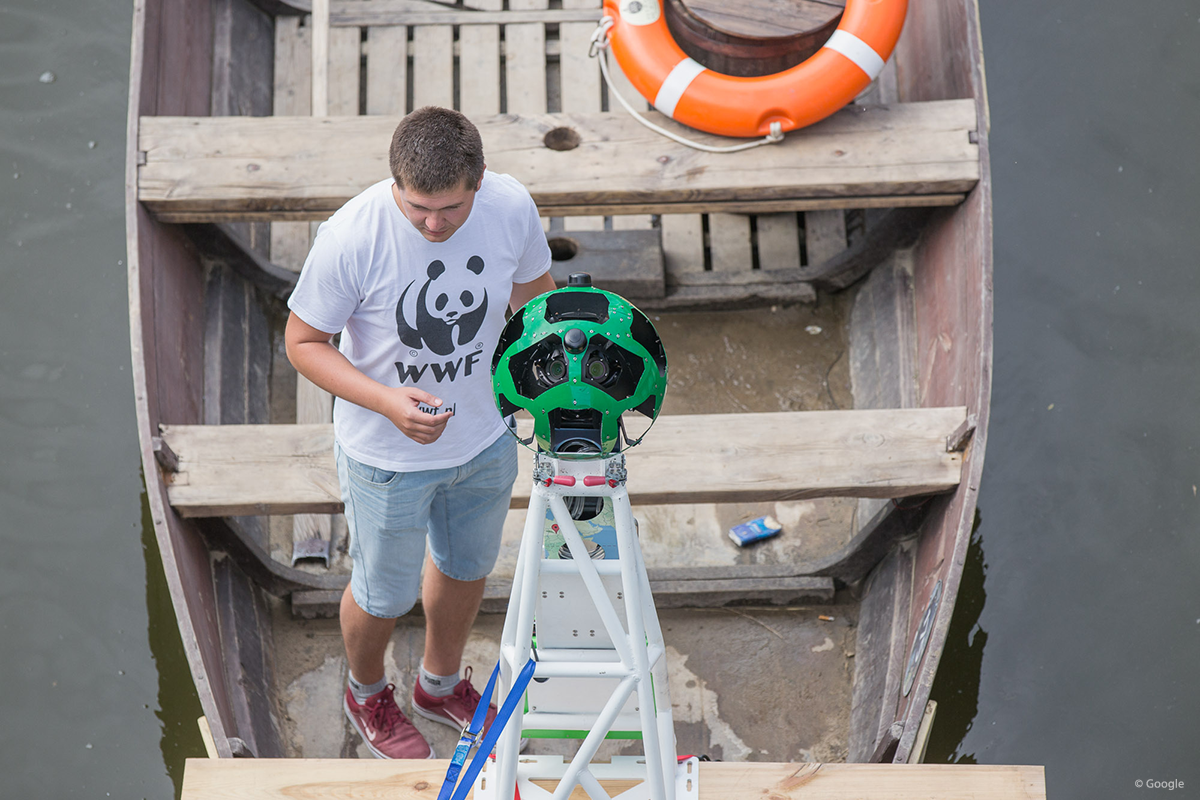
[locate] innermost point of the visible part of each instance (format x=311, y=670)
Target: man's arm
x=522, y=293
x=314, y=356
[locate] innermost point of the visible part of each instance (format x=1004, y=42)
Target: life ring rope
x=669, y=93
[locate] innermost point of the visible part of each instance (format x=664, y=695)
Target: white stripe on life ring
x=858, y=51
x=676, y=83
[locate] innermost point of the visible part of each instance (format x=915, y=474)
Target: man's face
x=436, y=216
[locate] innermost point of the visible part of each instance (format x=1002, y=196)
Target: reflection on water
x=178, y=705
x=956, y=688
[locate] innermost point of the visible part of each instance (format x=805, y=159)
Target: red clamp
x=564, y=480
x=593, y=480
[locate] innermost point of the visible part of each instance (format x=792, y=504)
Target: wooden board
x=524, y=68
x=628, y=262
x=351, y=779
x=432, y=70
x=681, y=592
x=293, y=97
x=387, y=70
x=284, y=165
x=425, y=12
x=229, y=470
x=479, y=65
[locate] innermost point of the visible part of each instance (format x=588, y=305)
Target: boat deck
x=772, y=230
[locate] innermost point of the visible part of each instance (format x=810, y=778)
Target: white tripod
x=601, y=664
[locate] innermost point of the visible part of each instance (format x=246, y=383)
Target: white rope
x=598, y=49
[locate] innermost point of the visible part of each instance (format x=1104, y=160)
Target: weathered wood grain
x=423, y=12
x=718, y=458
x=296, y=164
x=352, y=779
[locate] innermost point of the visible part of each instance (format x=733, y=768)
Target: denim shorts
x=390, y=515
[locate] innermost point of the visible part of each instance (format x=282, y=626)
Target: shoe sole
x=433, y=716
x=363, y=735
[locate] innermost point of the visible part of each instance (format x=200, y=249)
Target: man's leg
x=466, y=522
x=450, y=608
x=366, y=638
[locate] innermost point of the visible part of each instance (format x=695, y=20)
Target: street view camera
x=577, y=359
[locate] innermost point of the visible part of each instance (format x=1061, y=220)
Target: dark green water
x=95, y=697
x=1086, y=653
x=1077, y=638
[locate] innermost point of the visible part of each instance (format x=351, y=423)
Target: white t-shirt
x=418, y=313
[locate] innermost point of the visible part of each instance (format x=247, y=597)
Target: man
x=415, y=273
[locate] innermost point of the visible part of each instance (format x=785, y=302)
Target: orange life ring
x=689, y=93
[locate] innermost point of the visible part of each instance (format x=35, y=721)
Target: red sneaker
x=455, y=709
x=383, y=726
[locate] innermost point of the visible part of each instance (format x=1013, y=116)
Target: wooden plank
x=628, y=262
x=292, y=97
x=421, y=12
x=315, y=405
x=683, y=244
x=580, y=84
x=479, y=66
x=524, y=64
x=345, y=70
x=387, y=70
x=617, y=209
x=297, y=164
x=778, y=241
x=320, y=57
x=679, y=593
x=274, y=779
x=433, y=67
x=284, y=469
x=210, y=747
x=824, y=235
x=729, y=243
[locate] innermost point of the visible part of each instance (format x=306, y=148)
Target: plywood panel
x=260, y=779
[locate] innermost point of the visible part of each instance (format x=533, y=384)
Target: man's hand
x=403, y=407
x=318, y=360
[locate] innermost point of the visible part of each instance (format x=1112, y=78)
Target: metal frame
x=636, y=657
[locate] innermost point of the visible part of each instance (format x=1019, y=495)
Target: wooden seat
x=255, y=778
x=231, y=470
x=280, y=168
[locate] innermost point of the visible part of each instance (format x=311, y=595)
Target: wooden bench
x=196, y=169
x=263, y=779
x=231, y=470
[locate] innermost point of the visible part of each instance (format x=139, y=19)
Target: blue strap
x=470, y=734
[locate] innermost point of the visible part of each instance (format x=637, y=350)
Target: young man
x=415, y=273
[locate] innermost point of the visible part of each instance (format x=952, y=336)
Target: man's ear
x=479, y=185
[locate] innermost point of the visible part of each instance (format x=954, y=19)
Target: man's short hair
x=436, y=150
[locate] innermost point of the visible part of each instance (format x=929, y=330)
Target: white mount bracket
x=601, y=663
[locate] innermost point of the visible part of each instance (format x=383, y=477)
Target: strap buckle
x=466, y=736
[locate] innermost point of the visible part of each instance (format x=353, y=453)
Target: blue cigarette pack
x=754, y=531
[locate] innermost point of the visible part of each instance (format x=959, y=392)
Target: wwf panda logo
x=446, y=312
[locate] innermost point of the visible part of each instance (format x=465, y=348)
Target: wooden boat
x=826, y=305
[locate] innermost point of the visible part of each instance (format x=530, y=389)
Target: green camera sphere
x=577, y=359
